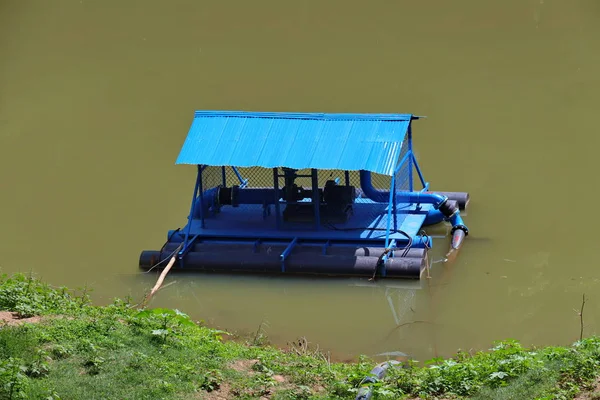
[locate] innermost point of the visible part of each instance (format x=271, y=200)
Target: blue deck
x=367, y=224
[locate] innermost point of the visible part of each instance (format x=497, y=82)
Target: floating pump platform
x=308, y=193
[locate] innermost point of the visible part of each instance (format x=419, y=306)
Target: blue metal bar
x=315, y=199
x=392, y=246
x=223, y=176
x=402, y=161
x=287, y=252
x=394, y=211
x=347, y=177
x=389, y=216
x=419, y=171
x=192, y=210
x=201, y=199
x=425, y=187
x=276, y=194
x=186, y=249
x=410, y=171
x=243, y=182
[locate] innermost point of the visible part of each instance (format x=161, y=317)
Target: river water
x=96, y=98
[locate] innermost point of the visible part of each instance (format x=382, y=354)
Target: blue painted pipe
x=440, y=204
x=382, y=196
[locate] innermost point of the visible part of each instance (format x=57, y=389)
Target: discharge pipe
x=449, y=210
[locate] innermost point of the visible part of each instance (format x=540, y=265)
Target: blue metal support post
x=201, y=195
x=315, y=198
x=389, y=213
x=394, y=203
x=425, y=184
x=276, y=194
x=197, y=187
x=410, y=159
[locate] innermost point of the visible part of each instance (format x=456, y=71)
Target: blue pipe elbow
x=435, y=217
x=383, y=196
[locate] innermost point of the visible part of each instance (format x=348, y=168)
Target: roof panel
x=297, y=140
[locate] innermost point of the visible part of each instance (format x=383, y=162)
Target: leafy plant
x=118, y=352
x=13, y=381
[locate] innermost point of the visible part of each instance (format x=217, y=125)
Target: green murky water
x=96, y=98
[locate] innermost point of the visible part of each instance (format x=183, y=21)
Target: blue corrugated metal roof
x=296, y=140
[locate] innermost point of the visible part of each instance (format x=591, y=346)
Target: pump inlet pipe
x=449, y=210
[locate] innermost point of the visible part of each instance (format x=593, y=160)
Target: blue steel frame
x=409, y=158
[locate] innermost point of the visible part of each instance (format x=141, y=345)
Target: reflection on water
x=96, y=99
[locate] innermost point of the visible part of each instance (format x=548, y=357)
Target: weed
x=116, y=351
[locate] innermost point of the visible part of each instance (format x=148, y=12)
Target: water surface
x=96, y=98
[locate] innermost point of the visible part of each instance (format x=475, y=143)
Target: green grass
x=81, y=351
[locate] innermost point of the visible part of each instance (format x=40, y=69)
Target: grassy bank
x=55, y=345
